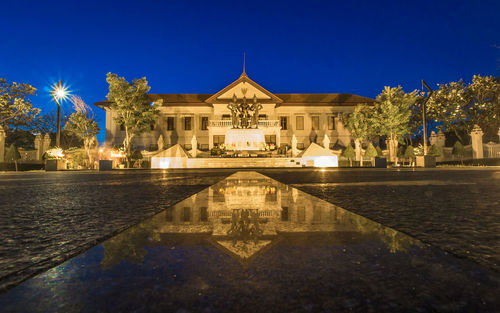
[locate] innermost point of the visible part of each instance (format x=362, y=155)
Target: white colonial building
x=207, y=117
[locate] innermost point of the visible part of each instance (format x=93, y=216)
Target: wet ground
x=370, y=267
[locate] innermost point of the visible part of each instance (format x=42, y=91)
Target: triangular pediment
x=244, y=86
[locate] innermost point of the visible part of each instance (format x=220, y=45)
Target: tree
x=409, y=154
x=82, y=123
x=12, y=155
x=485, y=106
x=137, y=156
x=360, y=126
x=450, y=106
x=349, y=154
x=134, y=110
x=458, y=150
x=371, y=152
x=16, y=109
x=46, y=123
x=391, y=116
x=434, y=151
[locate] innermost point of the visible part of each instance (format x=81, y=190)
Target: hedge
x=8, y=166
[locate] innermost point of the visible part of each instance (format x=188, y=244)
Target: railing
x=229, y=123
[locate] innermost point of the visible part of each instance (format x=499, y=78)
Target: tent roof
x=176, y=151
x=316, y=150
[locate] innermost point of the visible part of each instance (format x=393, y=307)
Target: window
x=262, y=116
x=169, y=214
x=187, y=123
x=300, y=145
x=170, y=123
x=203, y=214
x=203, y=147
x=331, y=122
x=186, y=217
x=219, y=139
x=299, y=125
x=187, y=146
x=204, y=123
x=315, y=122
x=284, y=122
x=284, y=214
x=270, y=139
x=226, y=116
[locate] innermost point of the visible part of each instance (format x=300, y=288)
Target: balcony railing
x=229, y=123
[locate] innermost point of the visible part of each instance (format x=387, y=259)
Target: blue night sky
x=197, y=46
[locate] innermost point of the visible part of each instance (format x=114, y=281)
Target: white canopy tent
x=173, y=157
x=317, y=156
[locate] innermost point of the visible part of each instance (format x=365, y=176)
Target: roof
x=244, y=79
x=290, y=99
x=176, y=151
x=172, y=99
x=315, y=150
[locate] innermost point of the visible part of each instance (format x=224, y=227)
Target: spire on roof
x=244, y=73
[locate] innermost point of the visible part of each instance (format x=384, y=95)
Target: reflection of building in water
x=246, y=214
x=280, y=209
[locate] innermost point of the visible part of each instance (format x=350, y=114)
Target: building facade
x=207, y=116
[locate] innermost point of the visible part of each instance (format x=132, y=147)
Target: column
x=477, y=142
x=38, y=147
x=2, y=144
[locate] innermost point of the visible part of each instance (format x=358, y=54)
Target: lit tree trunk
x=15, y=163
x=357, y=145
x=393, y=146
x=126, y=144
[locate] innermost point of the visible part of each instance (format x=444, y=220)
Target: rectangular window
x=226, y=116
x=187, y=123
x=284, y=214
x=300, y=145
x=203, y=147
x=331, y=122
x=270, y=139
x=204, y=214
x=262, y=116
x=284, y=122
x=315, y=122
x=169, y=214
x=187, y=214
x=204, y=123
x=299, y=125
x=187, y=146
x=219, y=139
x=170, y=123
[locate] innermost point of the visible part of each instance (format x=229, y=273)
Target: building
x=207, y=116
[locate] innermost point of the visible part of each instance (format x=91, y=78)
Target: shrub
x=370, y=151
x=434, y=151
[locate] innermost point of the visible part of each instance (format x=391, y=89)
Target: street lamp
x=59, y=92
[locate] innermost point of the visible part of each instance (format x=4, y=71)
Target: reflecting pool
x=250, y=243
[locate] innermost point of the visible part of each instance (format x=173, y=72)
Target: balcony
x=228, y=123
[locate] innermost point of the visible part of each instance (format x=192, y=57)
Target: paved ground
x=328, y=260
x=457, y=210
x=47, y=217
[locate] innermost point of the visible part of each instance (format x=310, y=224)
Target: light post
x=423, y=115
x=59, y=93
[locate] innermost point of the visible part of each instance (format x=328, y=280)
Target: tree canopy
x=134, y=110
x=16, y=109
